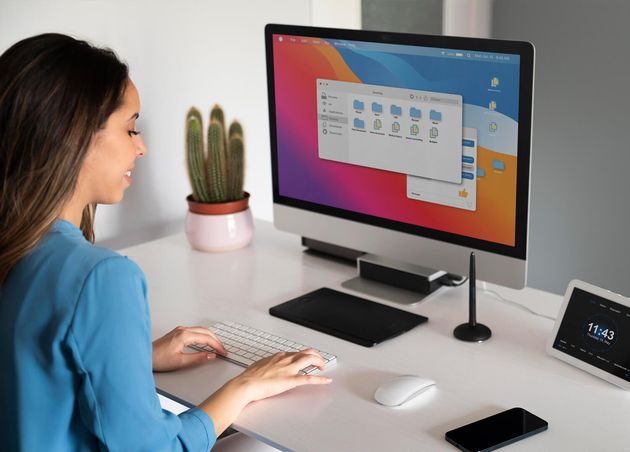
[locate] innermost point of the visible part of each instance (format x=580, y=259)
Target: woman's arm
x=267, y=377
x=110, y=347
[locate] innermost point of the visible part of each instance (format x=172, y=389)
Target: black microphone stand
x=472, y=331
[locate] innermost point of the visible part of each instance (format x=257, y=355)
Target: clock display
x=600, y=333
x=597, y=331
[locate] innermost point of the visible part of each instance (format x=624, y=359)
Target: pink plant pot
x=219, y=227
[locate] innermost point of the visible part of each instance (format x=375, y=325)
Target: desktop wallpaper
x=299, y=62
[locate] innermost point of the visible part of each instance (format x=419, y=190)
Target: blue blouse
x=75, y=355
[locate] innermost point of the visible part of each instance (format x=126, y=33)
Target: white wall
x=336, y=13
x=471, y=18
x=180, y=53
x=580, y=159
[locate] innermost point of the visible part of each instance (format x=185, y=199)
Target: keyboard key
x=245, y=362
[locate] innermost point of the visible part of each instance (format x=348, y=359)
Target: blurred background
x=198, y=52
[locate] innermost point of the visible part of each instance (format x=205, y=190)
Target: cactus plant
x=216, y=162
x=216, y=113
x=235, y=129
x=236, y=167
x=195, y=156
x=216, y=175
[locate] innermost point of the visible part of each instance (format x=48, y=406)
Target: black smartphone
x=496, y=431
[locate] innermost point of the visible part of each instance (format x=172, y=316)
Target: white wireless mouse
x=401, y=389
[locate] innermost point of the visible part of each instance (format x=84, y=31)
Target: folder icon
x=377, y=108
x=395, y=110
x=415, y=112
x=498, y=165
x=358, y=105
x=435, y=115
x=359, y=123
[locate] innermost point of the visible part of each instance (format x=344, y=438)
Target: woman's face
x=109, y=163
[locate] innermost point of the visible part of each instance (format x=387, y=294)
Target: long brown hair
x=56, y=92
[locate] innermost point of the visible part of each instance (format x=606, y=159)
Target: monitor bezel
x=525, y=50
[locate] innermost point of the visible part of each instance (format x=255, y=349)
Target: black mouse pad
x=347, y=317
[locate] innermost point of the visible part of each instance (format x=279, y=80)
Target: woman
x=76, y=356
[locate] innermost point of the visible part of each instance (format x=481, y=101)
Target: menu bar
x=436, y=52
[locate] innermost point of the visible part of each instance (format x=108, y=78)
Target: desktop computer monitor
x=415, y=148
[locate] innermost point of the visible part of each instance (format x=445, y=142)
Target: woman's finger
x=303, y=359
x=190, y=359
x=300, y=380
x=202, y=330
x=204, y=339
x=307, y=352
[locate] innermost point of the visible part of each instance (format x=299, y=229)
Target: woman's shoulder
x=61, y=269
x=64, y=250
x=91, y=257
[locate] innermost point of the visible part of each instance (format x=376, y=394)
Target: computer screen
x=429, y=136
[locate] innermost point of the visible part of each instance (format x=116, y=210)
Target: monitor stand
x=392, y=280
x=381, y=290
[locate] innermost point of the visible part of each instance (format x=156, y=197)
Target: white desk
x=187, y=287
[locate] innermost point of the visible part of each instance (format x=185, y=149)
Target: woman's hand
x=279, y=373
x=168, y=351
x=265, y=378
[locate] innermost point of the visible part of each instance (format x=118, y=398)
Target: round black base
x=469, y=333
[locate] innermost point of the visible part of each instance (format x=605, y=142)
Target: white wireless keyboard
x=246, y=345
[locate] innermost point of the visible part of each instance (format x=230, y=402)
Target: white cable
x=513, y=303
